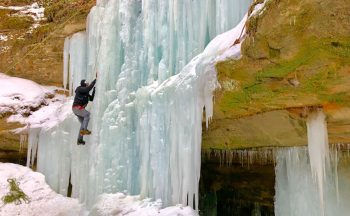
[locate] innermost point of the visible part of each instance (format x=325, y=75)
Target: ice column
x=65, y=63
x=74, y=60
x=33, y=140
x=318, y=150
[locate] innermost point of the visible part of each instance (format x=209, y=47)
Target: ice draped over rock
x=150, y=96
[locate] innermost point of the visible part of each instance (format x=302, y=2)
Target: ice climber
x=81, y=99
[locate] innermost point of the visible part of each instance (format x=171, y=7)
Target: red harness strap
x=78, y=107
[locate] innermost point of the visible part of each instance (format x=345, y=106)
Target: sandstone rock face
x=276, y=128
x=35, y=54
x=10, y=147
x=296, y=55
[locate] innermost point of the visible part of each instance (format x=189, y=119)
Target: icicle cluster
x=150, y=97
x=307, y=179
x=245, y=157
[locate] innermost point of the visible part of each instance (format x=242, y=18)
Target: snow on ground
x=44, y=201
x=120, y=204
x=33, y=10
x=3, y=37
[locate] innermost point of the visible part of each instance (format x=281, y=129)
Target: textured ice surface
x=318, y=150
x=297, y=192
x=150, y=97
x=312, y=181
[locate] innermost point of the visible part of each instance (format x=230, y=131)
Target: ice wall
x=297, y=193
x=147, y=115
x=312, y=181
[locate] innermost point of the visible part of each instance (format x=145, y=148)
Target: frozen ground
x=45, y=202
x=120, y=204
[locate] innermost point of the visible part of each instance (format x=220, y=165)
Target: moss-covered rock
x=296, y=54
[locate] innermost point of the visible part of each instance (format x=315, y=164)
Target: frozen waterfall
x=307, y=179
x=150, y=96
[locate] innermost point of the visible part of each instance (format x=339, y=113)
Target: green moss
x=316, y=83
x=16, y=195
x=316, y=66
x=16, y=2
x=59, y=11
x=14, y=22
x=283, y=68
x=42, y=32
x=254, y=98
x=341, y=49
x=340, y=98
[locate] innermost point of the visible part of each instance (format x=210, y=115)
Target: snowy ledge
x=30, y=103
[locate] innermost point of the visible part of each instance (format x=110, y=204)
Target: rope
x=41, y=42
x=250, y=11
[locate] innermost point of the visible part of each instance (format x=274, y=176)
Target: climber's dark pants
x=83, y=117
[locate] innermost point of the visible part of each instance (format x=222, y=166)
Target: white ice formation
x=312, y=181
x=154, y=81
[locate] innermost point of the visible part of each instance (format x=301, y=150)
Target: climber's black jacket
x=82, y=96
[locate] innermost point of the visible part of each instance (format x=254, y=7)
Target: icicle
x=336, y=161
x=65, y=62
x=33, y=140
x=297, y=192
x=318, y=150
x=22, y=142
x=77, y=60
